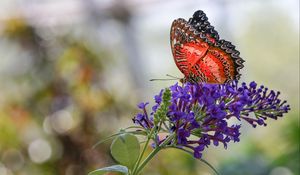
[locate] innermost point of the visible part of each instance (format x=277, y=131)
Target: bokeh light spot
x=39, y=151
x=62, y=121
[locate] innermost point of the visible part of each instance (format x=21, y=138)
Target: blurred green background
x=72, y=72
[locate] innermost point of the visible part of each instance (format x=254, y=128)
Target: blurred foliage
x=288, y=161
x=57, y=117
x=290, y=157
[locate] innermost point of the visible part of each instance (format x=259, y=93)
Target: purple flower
x=158, y=99
x=203, y=110
x=143, y=119
x=142, y=105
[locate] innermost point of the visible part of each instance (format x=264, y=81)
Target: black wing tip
x=199, y=14
x=199, y=17
x=201, y=24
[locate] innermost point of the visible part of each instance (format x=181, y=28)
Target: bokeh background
x=72, y=72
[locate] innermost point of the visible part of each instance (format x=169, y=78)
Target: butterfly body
x=200, y=55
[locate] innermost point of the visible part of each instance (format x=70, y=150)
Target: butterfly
x=199, y=53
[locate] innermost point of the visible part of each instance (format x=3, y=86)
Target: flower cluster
x=198, y=114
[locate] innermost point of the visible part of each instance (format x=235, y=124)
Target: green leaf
x=114, y=168
x=125, y=149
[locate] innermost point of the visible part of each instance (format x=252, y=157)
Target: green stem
x=150, y=156
x=146, y=144
x=134, y=171
x=154, y=152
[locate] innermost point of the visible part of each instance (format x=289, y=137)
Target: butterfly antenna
x=167, y=79
x=173, y=77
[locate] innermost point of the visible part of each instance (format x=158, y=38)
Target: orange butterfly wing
x=200, y=55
